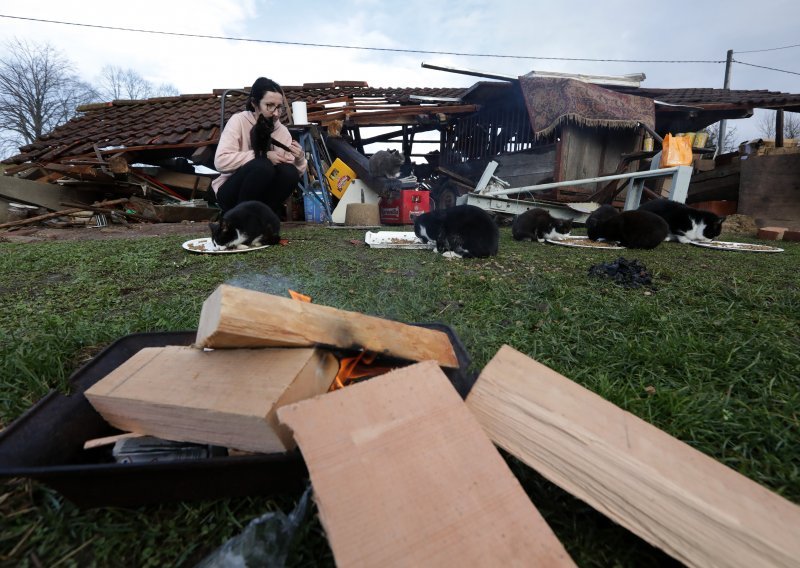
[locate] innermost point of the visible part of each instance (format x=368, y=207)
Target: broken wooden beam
x=108, y=211
x=404, y=476
x=83, y=172
x=236, y=317
x=61, y=213
x=671, y=495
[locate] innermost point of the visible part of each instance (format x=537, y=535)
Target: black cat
x=249, y=224
x=597, y=217
x=633, y=229
x=538, y=224
x=261, y=136
x=461, y=231
x=686, y=224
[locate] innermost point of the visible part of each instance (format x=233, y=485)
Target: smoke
x=276, y=284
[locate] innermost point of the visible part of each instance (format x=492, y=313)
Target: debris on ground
x=740, y=225
x=627, y=273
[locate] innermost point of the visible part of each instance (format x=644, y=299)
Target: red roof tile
x=188, y=120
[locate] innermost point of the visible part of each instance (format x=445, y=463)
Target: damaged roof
x=193, y=121
x=189, y=122
x=724, y=97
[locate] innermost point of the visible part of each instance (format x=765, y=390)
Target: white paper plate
x=583, y=242
x=205, y=246
x=740, y=247
x=396, y=239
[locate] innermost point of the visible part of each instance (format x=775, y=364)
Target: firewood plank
x=673, y=496
x=404, y=476
x=236, y=317
x=223, y=397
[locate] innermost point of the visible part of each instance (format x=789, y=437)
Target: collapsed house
x=538, y=128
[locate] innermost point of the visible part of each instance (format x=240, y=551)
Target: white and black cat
x=386, y=163
x=686, y=224
x=631, y=229
x=537, y=225
x=462, y=231
x=249, y=224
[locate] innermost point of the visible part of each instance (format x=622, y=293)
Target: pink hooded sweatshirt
x=234, y=150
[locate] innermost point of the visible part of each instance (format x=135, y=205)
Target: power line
x=305, y=44
x=765, y=67
x=769, y=49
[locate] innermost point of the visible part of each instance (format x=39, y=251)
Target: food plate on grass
x=205, y=246
x=742, y=247
x=584, y=242
x=396, y=239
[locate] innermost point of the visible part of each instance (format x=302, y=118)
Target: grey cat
x=386, y=163
x=537, y=225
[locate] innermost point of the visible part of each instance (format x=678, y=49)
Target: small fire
x=356, y=367
x=298, y=296
x=350, y=368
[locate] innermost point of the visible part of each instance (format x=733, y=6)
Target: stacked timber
x=718, y=184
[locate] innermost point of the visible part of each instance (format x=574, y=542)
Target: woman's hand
x=280, y=157
x=298, y=153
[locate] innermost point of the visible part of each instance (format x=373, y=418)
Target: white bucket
x=299, y=113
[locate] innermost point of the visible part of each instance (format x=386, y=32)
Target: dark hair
x=261, y=86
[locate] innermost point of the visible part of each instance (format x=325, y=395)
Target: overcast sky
x=676, y=30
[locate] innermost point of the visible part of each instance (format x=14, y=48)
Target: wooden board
x=194, y=182
x=673, y=496
x=29, y=192
x=591, y=152
x=223, y=397
x=769, y=189
x=527, y=167
x=235, y=317
x=404, y=476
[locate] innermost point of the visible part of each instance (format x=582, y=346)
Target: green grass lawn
x=710, y=354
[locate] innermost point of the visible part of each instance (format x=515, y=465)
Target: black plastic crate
x=46, y=444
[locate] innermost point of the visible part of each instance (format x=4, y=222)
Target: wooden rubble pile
x=101, y=191
x=406, y=472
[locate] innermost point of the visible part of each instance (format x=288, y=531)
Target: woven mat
x=552, y=102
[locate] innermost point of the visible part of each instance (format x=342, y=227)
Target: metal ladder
x=307, y=142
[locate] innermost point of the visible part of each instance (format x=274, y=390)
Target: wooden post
x=726, y=86
x=779, y=128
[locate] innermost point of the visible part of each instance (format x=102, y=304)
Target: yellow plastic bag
x=676, y=151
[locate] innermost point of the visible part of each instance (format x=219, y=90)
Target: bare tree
x=766, y=125
x=38, y=92
x=791, y=125
x=730, y=137
x=116, y=83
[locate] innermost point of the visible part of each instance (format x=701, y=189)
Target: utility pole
x=727, y=85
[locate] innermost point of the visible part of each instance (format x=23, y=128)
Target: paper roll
x=299, y=112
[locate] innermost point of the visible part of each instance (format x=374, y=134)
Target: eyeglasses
x=270, y=107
